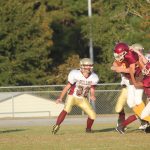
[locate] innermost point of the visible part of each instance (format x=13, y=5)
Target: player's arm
x=63, y=93
x=138, y=84
x=92, y=93
x=114, y=65
x=119, y=67
x=122, y=70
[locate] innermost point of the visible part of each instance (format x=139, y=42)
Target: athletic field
x=35, y=134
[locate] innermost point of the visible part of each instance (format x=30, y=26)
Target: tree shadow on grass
x=13, y=130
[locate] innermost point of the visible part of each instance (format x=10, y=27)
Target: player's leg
x=135, y=102
x=138, y=108
x=145, y=115
x=134, y=99
x=87, y=108
x=119, y=108
x=124, y=124
x=68, y=106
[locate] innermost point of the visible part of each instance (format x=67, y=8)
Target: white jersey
x=81, y=85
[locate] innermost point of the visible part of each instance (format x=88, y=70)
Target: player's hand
x=59, y=100
x=137, y=85
x=93, y=98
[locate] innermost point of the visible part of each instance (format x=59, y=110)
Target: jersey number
x=82, y=91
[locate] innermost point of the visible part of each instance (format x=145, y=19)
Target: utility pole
x=90, y=40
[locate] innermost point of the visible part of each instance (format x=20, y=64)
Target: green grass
x=73, y=137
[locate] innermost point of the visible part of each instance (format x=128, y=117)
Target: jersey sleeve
x=71, y=77
x=95, y=79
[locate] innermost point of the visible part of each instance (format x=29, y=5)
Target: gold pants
x=83, y=103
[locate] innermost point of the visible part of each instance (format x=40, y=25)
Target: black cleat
x=147, y=130
x=144, y=125
x=55, y=129
x=89, y=130
x=120, y=129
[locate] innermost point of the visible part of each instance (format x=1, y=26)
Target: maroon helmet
x=121, y=49
x=146, y=69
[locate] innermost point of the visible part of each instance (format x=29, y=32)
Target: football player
x=121, y=101
x=145, y=83
x=80, y=84
x=138, y=48
x=123, y=54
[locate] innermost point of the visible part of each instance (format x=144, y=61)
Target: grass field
x=73, y=137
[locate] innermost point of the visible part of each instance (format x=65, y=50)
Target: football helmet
x=121, y=49
x=146, y=69
x=86, y=65
x=136, y=47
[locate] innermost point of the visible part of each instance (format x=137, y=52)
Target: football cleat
x=144, y=125
x=120, y=129
x=125, y=128
x=147, y=130
x=55, y=129
x=89, y=130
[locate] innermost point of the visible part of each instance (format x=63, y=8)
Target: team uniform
x=79, y=91
x=81, y=86
x=134, y=95
x=146, y=85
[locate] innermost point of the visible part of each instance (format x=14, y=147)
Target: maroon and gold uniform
x=131, y=59
x=123, y=54
x=79, y=91
x=81, y=84
x=146, y=85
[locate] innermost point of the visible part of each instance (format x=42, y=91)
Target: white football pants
x=134, y=96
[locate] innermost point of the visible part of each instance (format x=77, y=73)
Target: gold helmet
x=136, y=47
x=86, y=63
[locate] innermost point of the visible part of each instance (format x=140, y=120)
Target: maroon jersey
x=146, y=85
x=131, y=58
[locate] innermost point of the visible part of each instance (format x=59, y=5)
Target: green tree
x=39, y=38
x=25, y=42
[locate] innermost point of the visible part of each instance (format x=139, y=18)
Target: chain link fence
x=106, y=95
